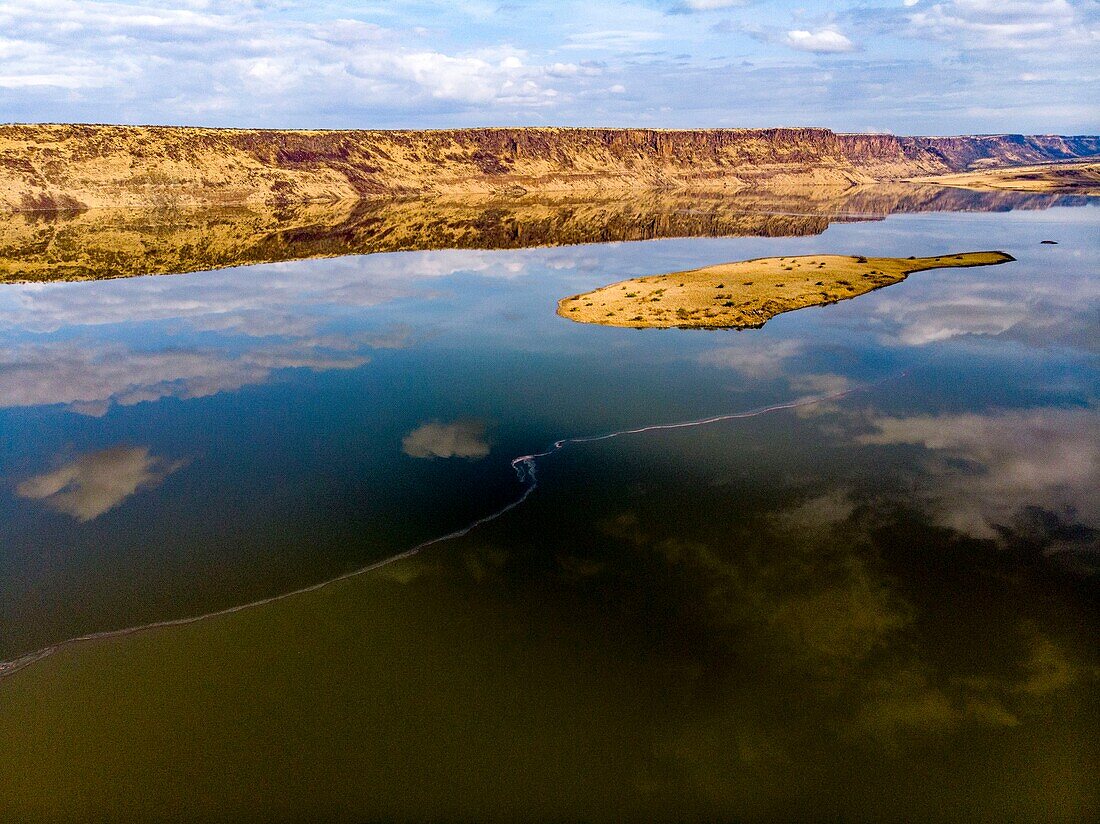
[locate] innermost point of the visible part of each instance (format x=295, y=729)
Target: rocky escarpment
x=71, y=167
x=888, y=157
x=1078, y=177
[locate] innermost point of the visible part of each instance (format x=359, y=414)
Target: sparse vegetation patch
x=700, y=298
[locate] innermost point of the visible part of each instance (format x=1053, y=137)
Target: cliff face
x=992, y=151
x=886, y=157
x=50, y=167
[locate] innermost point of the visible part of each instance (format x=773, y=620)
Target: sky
x=902, y=66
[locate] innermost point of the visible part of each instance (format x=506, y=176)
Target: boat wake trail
x=525, y=467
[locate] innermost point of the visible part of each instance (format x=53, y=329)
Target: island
x=746, y=294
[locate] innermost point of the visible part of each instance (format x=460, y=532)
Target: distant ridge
x=75, y=167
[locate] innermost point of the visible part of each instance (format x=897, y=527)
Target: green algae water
x=873, y=597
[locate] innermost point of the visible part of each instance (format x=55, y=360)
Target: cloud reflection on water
x=461, y=439
x=982, y=469
x=89, y=376
x=1037, y=307
x=94, y=483
x=232, y=329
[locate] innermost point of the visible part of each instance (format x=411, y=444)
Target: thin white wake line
x=524, y=467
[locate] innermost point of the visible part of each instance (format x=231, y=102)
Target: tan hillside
x=1061, y=178
x=748, y=293
x=49, y=167
x=894, y=158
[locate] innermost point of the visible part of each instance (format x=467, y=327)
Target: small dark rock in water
x=1051, y=242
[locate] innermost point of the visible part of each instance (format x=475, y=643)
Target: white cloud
x=822, y=41
x=461, y=439
x=612, y=40
x=985, y=468
x=88, y=377
x=814, y=514
x=816, y=385
x=97, y=482
x=272, y=299
x=710, y=5
x=224, y=53
x=958, y=307
x=61, y=81
x=292, y=63
x=753, y=357
x=1005, y=24
x=931, y=321
x=253, y=324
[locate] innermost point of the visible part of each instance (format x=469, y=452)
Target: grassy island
x=747, y=293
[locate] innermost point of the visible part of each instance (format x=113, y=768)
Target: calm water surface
x=881, y=605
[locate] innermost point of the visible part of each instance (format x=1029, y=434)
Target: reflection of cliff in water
x=106, y=243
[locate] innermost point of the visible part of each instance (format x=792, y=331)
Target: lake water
x=878, y=604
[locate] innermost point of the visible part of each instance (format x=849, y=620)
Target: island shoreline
x=700, y=299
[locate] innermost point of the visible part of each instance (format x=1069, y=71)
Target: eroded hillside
x=71, y=167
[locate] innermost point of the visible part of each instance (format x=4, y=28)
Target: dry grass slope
x=1056, y=178
x=746, y=294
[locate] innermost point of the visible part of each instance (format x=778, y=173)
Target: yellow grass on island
x=1060, y=178
x=746, y=294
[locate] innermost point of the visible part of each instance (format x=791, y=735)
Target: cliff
x=887, y=157
x=72, y=167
